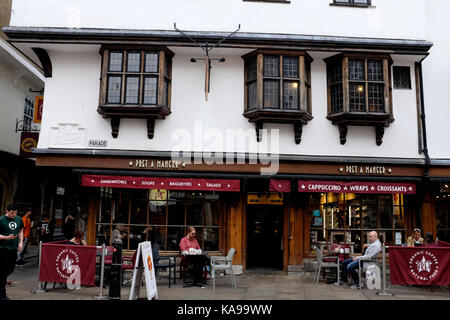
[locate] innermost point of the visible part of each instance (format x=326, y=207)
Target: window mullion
x=366, y=89
x=141, y=82
x=124, y=65
x=259, y=82
x=345, y=81
x=281, y=84
x=160, y=86
x=302, y=84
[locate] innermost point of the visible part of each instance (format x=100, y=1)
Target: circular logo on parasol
x=424, y=265
x=66, y=261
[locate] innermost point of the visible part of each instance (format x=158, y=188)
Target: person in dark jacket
x=69, y=226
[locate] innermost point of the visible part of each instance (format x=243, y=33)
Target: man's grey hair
x=374, y=232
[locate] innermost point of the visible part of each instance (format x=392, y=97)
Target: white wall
x=72, y=100
x=12, y=104
x=386, y=19
x=436, y=74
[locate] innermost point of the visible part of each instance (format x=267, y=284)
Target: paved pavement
x=260, y=284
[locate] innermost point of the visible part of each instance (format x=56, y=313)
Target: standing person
x=11, y=240
x=351, y=265
x=44, y=229
x=69, y=226
x=415, y=240
x=26, y=235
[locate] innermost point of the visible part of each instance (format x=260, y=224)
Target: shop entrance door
x=265, y=236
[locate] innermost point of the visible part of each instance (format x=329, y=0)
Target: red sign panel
x=280, y=185
x=420, y=265
x=160, y=183
x=61, y=263
x=355, y=187
x=38, y=109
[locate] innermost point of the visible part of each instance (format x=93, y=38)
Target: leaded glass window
x=115, y=61
x=133, y=62
x=402, y=78
x=151, y=62
x=114, y=89
x=150, y=90
x=376, y=97
x=290, y=67
x=271, y=94
x=375, y=70
x=252, y=69
x=251, y=95
x=132, y=90
x=337, y=98
x=274, y=81
x=357, y=97
x=271, y=66
x=132, y=77
x=356, y=69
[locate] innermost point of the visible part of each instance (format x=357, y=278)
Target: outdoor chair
x=164, y=262
x=219, y=263
x=323, y=263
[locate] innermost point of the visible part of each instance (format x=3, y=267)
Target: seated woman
x=415, y=240
x=186, y=245
x=77, y=239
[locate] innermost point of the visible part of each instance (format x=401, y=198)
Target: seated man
x=187, y=243
x=351, y=264
x=415, y=240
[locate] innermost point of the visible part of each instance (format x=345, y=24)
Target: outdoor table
x=198, y=261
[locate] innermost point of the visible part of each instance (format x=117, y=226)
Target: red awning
x=280, y=185
x=160, y=183
x=356, y=187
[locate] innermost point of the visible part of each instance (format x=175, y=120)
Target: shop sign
x=371, y=170
x=156, y=164
x=28, y=141
x=158, y=196
x=356, y=187
x=160, y=183
x=38, y=109
x=98, y=143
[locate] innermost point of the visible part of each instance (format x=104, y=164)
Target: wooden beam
x=45, y=61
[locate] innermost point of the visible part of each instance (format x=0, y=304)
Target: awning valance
x=160, y=183
x=356, y=187
x=280, y=185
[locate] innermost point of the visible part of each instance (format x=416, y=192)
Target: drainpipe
x=426, y=177
x=424, y=127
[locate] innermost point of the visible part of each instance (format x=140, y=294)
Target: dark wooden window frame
x=259, y=114
x=346, y=117
x=151, y=112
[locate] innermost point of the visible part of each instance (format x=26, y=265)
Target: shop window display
x=159, y=216
x=348, y=218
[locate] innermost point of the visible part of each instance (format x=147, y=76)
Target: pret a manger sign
x=356, y=187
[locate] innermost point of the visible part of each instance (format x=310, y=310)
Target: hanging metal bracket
x=207, y=49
